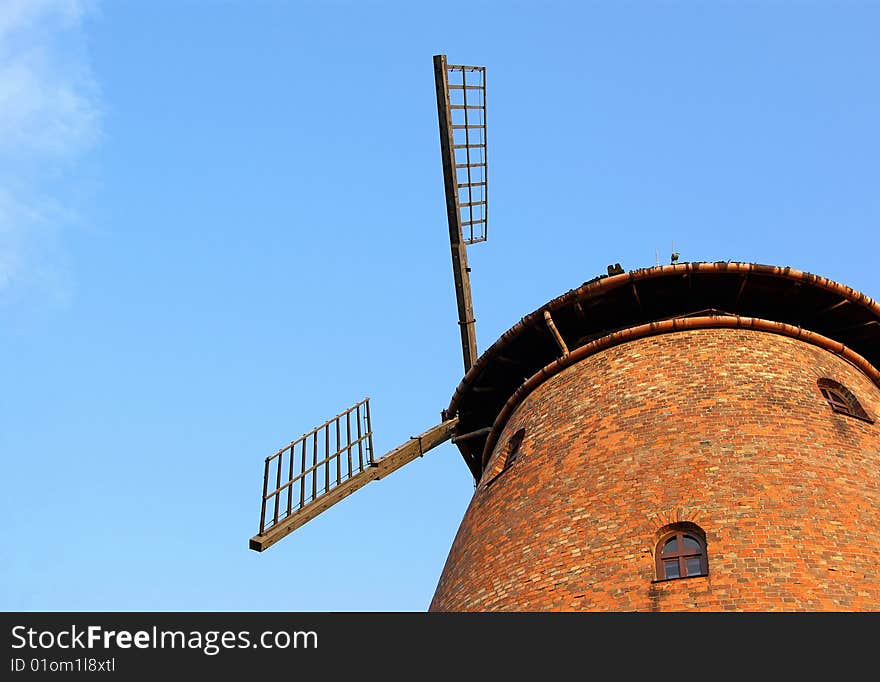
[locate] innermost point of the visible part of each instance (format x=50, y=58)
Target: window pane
x=691, y=543
x=671, y=568
x=835, y=399
x=693, y=566
x=670, y=546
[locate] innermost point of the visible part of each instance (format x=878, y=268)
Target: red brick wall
x=720, y=427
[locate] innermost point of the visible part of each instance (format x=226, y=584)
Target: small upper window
x=681, y=553
x=842, y=400
x=513, y=448
x=507, y=457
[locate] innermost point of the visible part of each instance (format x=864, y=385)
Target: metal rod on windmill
x=461, y=114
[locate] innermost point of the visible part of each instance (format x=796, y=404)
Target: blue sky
x=223, y=222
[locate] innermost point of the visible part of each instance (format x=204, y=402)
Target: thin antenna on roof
x=675, y=254
x=657, y=255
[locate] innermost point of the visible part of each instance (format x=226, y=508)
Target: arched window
x=842, y=400
x=511, y=452
x=681, y=553
x=506, y=458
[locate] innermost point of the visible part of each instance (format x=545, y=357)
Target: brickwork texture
x=723, y=428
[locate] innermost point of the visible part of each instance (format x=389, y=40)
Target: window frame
x=837, y=402
x=681, y=554
x=508, y=457
x=513, y=449
x=841, y=400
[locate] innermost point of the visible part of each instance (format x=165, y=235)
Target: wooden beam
x=284, y=528
x=460, y=269
x=555, y=333
x=415, y=447
x=636, y=295
x=742, y=286
x=485, y=431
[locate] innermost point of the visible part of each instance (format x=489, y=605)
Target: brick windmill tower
x=692, y=436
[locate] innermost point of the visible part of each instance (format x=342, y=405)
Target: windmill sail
x=333, y=460
x=466, y=88
x=461, y=114
x=326, y=465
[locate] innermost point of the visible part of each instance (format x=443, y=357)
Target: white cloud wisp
x=49, y=117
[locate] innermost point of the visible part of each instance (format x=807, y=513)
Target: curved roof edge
x=608, y=304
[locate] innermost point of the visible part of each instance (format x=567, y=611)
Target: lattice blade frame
x=316, y=463
x=466, y=92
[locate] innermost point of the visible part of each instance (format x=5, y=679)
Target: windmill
x=335, y=459
x=624, y=415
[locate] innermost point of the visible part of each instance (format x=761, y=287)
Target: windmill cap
x=728, y=292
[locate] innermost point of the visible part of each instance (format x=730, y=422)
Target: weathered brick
x=724, y=428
